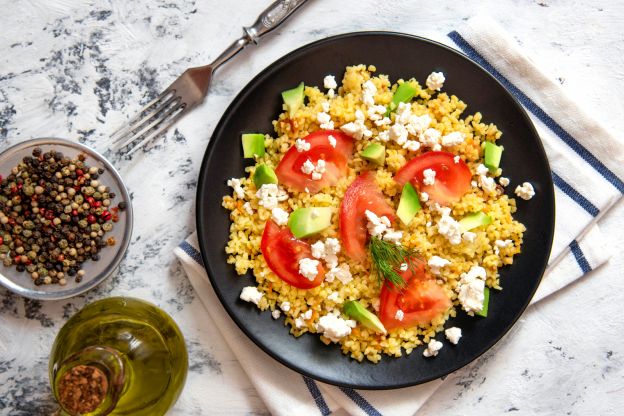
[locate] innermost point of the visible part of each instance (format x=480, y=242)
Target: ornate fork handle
x=269, y=19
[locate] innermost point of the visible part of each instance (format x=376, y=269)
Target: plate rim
x=200, y=222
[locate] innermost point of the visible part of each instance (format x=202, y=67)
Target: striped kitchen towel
x=587, y=164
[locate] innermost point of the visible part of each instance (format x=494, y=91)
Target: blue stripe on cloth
x=360, y=401
x=580, y=256
x=192, y=252
x=317, y=396
x=575, y=195
x=539, y=113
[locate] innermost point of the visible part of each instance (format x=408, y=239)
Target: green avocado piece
x=304, y=222
x=486, y=302
x=403, y=94
x=375, y=153
x=409, y=204
x=253, y=145
x=357, y=311
x=474, y=220
x=263, y=175
x=293, y=99
x=492, y=156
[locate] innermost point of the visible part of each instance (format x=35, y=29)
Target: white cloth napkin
x=587, y=164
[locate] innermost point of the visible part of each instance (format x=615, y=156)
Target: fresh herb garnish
x=387, y=259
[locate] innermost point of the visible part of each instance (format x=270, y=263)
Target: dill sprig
x=387, y=259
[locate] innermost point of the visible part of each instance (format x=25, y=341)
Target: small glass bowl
x=110, y=256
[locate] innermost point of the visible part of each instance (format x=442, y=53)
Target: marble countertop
x=77, y=69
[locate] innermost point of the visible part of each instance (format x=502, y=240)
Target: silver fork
x=191, y=87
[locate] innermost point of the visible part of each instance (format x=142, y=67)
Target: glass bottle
x=118, y=356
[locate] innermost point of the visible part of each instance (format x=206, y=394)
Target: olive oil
x=136, y=345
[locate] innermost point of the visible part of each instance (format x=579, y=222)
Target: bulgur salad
x=375, y=213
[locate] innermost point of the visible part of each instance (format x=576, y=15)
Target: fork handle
x=269, y=19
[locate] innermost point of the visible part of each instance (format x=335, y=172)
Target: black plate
x=399, y=56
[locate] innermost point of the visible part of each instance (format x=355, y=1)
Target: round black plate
x=399, y=56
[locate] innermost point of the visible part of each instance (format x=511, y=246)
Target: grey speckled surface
x=77, y=69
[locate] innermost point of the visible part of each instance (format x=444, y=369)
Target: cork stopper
x=82, y=389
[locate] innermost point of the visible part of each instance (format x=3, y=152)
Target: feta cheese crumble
x=503, y=181
x=308, y=268
x=334, y=327
x=327, y=251
x=436, y=263
x=357, y=129
x=301, y=145
x=431, y=138
x=332, y=140
x=404, y=267
x=453, y=139
x=251, y=294
x=285, y=306
x=342, y=273
x=301, y=320
x=456, y=159
x=450, y=228
x=399, y=315
x=325, y=106
x=276, y=314
x=316, y=171
x=453, y=334
x=235, y=183
x=435, y=81
x=247, y=207
x=424, y=196
x=368, y=93
x=325, y=121
x=429, y=176
x=525, y=191
x=470, y=290
x=329, y=82
x=270, y=194
x=279, y=216
x=432, y=348
x=334, y=297
x=469, y=236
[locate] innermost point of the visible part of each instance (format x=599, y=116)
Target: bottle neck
x=89, y=382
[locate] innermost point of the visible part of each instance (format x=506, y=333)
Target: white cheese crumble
x=417, y=125
x=251, y=294
x=503, y=243
x=276, y=314
x=450, y=229
x=469, y=236
x=247, y=207
x=285, y=306
x=431, y=138
x=399, y=315
x=376, y=113
x=368, y=93
x=503, y=181
x=436, y=263
x=411, y=145
x=332, y=140
x=487, y=184
x=456, y=159
x=432, y=348
x=329, y=82
x=470, y=290
x=429, y=176
x=325, y=106
x=482, y=169
x=357, y=129
x=342, y=273
x=398, y=133
x=270, y=194
x=435, y=81
x=308, y=268
x=334, y=327
x=235, y=183
x=334, y=296
x=473, y=184
x=279, y=216
x=453, y=139
x=316, y=171
x=376, y=225
x=393, y=236
x=325, y=121
x=424, y=196
x=301, y=320
x=403, y=267
x=301, y=145
x=453, y=334
x=327, y=251
x=525, y=191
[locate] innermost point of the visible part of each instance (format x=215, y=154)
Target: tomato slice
x=282, y=252
x=363, y=194
x=421, y=301
x=289, y=169
x=452, y=179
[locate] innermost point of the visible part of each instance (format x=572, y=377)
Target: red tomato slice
x=421, y=301
x=282, y=252
x=336, y=158
x=363, y=194
x=452, y=179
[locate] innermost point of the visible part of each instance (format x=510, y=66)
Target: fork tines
x=150, y=122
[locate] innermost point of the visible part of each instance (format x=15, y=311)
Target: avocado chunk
x=253, y=145
x=403, y=94
x=375, y=153
x=409, y=204
x=293, y=99
x=492, y=156
x=486, y=302
x=304, y=222
x=263, y=175
x=357, y=311
x=474, y=220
